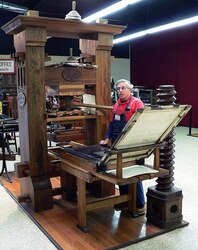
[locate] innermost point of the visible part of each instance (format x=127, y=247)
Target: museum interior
x=67, y=69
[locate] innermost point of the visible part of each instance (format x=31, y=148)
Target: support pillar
x=35, y=183
x=164, y=201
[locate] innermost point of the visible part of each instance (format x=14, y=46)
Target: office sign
x=7, y=66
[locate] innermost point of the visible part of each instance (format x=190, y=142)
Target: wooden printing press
x=30, y=37
x=143, y=135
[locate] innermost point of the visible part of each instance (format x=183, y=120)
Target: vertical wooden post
x=119, y=166
x=32, y=117
x=81, y=194
x=132, y=200
x=103, y=82
x=156, y=158
x=103, y=91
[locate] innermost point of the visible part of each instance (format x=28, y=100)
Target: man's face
x=123, y=91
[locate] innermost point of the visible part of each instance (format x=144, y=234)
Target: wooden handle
x=70, y=52
x=92, y=105
x=73, y=5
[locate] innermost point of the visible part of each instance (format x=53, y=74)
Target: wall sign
x=7, y=66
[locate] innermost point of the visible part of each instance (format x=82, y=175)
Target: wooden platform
x=194, y=134
x=108, y=229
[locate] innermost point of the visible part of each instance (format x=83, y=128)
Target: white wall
x=56, y=59
x=120, y=68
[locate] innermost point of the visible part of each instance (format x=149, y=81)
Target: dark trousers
x=140, y=201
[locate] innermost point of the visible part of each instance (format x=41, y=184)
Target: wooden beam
x=57, y=27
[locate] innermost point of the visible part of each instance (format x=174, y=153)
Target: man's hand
x=104, y=142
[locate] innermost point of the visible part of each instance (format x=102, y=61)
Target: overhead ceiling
x=142, y=15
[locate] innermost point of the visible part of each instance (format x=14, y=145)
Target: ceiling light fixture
x=13, y=7
x=109, y=10
x=160, y=28
x=131, y=1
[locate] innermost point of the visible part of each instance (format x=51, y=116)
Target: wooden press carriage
x=143, y=135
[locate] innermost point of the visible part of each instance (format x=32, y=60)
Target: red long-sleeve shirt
x=120, y=107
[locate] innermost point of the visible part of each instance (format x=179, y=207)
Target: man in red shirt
x=122, y=111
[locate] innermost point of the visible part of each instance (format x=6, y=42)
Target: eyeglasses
x=121, y=88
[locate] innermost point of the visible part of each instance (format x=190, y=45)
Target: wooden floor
x=108, y=229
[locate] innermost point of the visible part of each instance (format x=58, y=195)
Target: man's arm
x=108, y=135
